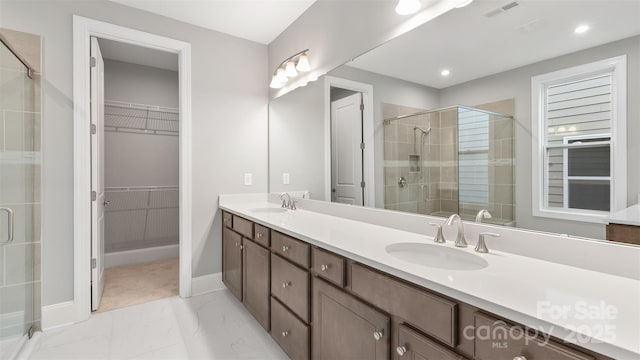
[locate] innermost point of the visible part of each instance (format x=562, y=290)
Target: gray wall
x=517, y=84
x=229, y=138
x=390, y=91
x=133, y=159
x=140, y=84
x=297, y=140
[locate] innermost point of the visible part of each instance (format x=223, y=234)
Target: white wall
x=390, y=91
x=517, y=84
x=230, y=95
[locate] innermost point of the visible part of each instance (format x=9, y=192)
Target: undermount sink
x=436, y=256
x=271, y=210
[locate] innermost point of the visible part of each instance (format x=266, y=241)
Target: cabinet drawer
x=227, y=219
x=328, y=266
x=290, y=285
x=261, y=235
x=290, y=333
x=290, y=248
x=429, y=313
x=497, y=340
x=243, y=226
x=412, y=345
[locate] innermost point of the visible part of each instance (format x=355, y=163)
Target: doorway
x=349, y=129
x=135, y=162
x=84, y=30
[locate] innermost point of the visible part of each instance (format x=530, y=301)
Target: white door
x=97, y=174
x=346, y=151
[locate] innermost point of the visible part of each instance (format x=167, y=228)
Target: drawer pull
x=520, y=357
x=285, y=248
x=285, y=333
x=324, y=267
x=401, y=350
x=378, y=335
x=259, y=235
x=288, y=284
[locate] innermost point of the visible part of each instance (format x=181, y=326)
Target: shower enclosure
x=19, y=198
x=452, y=160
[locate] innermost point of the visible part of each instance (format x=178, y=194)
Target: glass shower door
x=19, y=204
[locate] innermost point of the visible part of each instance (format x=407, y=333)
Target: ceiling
x=471, y=45
x=256, y=20
x=139, y=55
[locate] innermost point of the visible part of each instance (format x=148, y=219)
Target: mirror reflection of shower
x=457, y=159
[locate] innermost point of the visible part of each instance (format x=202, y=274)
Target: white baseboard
x=57, y=315
x=130, y=257
x=207, y=283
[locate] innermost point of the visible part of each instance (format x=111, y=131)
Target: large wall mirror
x=529, y=109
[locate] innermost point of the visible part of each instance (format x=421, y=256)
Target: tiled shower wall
x=435, y=189
x=20, y=155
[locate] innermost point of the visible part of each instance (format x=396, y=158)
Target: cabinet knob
x=401, y=350
x=237, y=243
x=241, y=247
x=259, y=235
x=378, y=335
x=324, y=267
x=286, y=284
x=285, y=248
x=519, y=357
x=285, y=333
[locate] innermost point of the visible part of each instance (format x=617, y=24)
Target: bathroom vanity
x=322, y=299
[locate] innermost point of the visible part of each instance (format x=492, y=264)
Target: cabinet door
x=232, y=262
x=256, y=281
x=346, y=328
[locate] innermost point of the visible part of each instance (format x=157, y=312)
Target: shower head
x=425, y=132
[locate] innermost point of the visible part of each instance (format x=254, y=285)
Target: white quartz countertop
x=628, y=216
x=594, y=310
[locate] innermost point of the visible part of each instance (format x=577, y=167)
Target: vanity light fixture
x=445, y=72
x=290, y=68
x=408, y=7
x=581, y=29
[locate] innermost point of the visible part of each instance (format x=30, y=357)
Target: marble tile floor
x=210, y=326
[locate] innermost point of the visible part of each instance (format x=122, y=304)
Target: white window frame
x=565, y=164
x=617, y=67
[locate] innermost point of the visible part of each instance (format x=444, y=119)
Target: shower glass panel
x=19, y=203
x=453, y=160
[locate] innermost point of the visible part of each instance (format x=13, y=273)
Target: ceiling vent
x=501, y=9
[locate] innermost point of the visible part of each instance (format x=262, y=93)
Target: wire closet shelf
x=141, y=118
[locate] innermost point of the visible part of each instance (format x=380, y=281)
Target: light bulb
x=445, y=72
x=275, y=84
x=463, y=4
x=290, y=69
x=303, y=63
x=408, y=7
x=280, y=75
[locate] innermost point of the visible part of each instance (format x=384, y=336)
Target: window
x=473, y=156
x=579, y=160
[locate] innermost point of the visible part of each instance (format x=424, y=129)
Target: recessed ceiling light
x=581, y=29
x=445, y=72
x=408, y=7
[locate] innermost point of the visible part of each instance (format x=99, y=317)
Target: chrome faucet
x=460, y=240
x=287, y=202
x=439, y=238
x=483, y=214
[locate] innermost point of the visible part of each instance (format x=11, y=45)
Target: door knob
x=106, y=203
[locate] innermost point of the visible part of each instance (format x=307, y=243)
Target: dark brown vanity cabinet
x=345, y=327
x=255, y=285
x=321, y=305
x=232, y=261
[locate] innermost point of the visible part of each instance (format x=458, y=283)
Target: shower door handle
x=10, y=223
